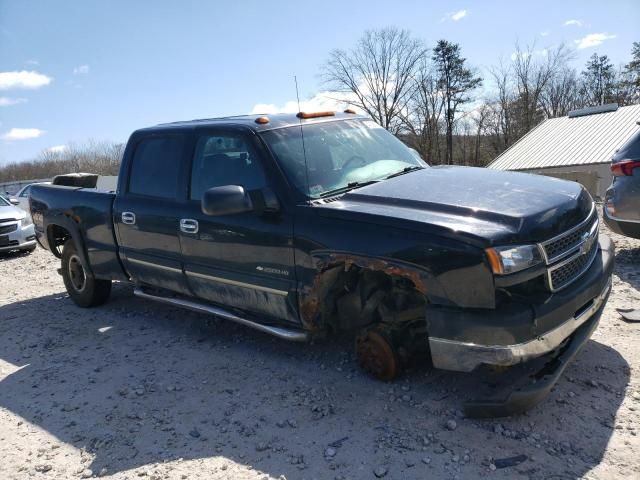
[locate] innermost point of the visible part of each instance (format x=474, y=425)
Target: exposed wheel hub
x=377, y=355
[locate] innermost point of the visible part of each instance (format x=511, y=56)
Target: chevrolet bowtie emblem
x=587, y=243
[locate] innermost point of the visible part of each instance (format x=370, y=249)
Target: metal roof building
x=576, y=147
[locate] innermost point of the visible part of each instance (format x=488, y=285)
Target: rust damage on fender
x=313, y=299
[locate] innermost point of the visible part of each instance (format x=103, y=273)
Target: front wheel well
x=347, y=296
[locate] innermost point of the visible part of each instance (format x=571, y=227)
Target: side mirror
x=226, y=200
x=14, y=201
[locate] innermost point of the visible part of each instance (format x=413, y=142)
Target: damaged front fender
x=330, y=265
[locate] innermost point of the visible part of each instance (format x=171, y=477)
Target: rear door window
x=155, y=167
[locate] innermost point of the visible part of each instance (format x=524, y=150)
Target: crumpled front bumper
x=537, y=385
x=463, y=340
x=462, y=356
x=573, y=315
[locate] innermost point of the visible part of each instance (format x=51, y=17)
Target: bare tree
x=533, y=70
x=423, y=115
x=560, y=94
x=378, y=72
x=502, y=106
x=480, y=119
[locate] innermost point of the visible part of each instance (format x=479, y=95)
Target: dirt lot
x=134, y=389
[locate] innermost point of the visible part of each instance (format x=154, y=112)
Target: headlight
x=511, y=259
x=26, y=221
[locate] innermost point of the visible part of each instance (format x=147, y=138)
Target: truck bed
x=85, y=214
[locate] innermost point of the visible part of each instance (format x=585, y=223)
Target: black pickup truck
x=324, y=223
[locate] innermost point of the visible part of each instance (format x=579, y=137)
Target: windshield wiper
x=405, y=170
x=346, y=188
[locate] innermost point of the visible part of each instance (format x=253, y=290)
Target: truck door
x=242, y=260
x=147, y=211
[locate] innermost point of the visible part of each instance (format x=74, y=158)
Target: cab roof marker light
x=262, y=120
x=350, y=110
x=315, y=114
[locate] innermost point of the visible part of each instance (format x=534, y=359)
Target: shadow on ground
x=13, y=256
x=135, y=383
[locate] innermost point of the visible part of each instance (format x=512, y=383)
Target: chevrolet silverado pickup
x=324, y=223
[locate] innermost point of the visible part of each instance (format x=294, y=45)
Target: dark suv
x=622, y=206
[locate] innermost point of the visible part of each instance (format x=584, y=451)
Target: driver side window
x=225, y=159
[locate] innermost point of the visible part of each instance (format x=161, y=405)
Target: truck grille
x=8, y=228
x=564, y=244
x=565, y=273
x=570, y=255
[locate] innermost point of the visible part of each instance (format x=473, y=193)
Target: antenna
x=304, y=150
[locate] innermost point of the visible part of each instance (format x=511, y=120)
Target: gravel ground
x=134, y=389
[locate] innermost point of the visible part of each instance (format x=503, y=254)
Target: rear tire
x=85, y=290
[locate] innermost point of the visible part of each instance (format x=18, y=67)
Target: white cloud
x=57, y=148
x=592, y=40
x=81, y=70
x=455, y=16
x=32, y=62
x=23, y=134
x=459, y=15
x=23, y=79
x=544, y=34
x=573, y=21
x=6, y=101
x=321, y=102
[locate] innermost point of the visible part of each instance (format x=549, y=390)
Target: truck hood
x=489, y=206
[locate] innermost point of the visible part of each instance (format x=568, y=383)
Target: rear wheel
x=85, y=290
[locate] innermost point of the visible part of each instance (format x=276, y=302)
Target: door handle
x=188, y=225
x=128, y=218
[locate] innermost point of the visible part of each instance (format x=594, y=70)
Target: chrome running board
x=286, y=334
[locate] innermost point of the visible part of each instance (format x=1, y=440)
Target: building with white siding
x=577, y=147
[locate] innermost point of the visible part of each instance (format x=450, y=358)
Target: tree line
x=432, y=98
x=102, y=158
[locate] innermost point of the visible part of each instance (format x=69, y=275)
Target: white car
x=23, y=195
x=16, y=228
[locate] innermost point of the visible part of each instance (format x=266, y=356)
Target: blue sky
x=74, y=70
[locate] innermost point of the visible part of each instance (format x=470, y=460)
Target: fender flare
x=70, y=225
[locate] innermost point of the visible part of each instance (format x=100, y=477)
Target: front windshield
x=3, y=202
x=339, y=154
